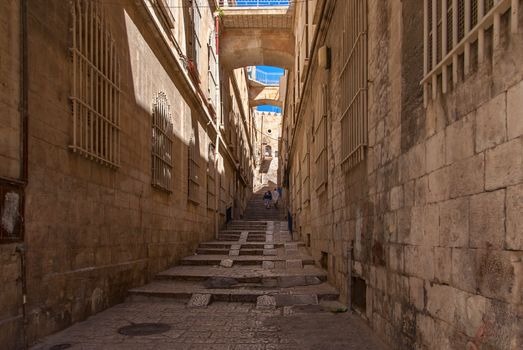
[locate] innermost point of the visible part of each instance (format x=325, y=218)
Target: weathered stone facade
x=92, y=232
x=432, y=215
x=268, y=132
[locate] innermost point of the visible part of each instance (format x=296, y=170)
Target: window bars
x=306, y=178
x=196, y=19
x=212, y=84
x=320, y=137
x=450, y=29
x=211, y=171
x=194, y=168
x=96, y=85
x=353, y=78
x=223, y=194
x=162, y=143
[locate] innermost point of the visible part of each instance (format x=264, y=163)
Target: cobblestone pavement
x=220, y=326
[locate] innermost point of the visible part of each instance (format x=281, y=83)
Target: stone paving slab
x=246, y=258
x=184, y=289
x=219, y=326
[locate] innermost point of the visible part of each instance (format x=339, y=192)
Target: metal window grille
x=298, y=183
x=353, y=77
x=162, y=143
x=320, y=137
x=196, y=17
x=211, y=172
x=194, y=169
x=212, y=88
x=462, y=23
x=223, y=194
x=96, y=85
x=306, y=178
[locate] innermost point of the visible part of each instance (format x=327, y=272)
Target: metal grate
x=196, y=23
x=463, y=23
x=194, y=169
x=213, y=92
x=96, y=85
x=306, y=165
x=162, y=143
x=320, y=137
x=353, y=79
x=211, y=171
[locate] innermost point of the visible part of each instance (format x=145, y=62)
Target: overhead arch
x=257, y=47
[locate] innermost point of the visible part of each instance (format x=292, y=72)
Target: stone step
x=298, y=295
x=248, y=245
x=225, y=251
x=241, y=259
x=282, y=277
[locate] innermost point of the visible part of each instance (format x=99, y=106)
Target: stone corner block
x=266, y=302
x=199, y=301
x=226, y=263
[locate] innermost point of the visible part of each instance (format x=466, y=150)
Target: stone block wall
x=431, y=213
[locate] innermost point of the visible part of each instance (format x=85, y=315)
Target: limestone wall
x=431, y=211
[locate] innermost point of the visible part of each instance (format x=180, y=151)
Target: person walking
x=267, y=197
x=275, y=198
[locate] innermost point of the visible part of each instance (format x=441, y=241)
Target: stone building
x=268, y=130
x=117, y=155
x=128, y=136
x=402, y=157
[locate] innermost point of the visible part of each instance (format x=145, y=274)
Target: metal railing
x=254, y=3
x=261, y=76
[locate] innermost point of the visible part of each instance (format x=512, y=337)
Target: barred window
x=223, y=194
x=320, y=138
x=96, y=85
x=353, y=78
x=194, y=169
x=213, y=72
x=211, y=174
x=162, y=143
x=298, y=183
x=196, y=20
x=306, y=178
x=450, y=29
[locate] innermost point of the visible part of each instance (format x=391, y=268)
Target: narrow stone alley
x=261, y=174
x=251, y=288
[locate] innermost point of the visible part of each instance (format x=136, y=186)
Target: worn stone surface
x=268, y=264
x=487, y=220
x=293, y=264
x=219, y=326
x=514, y=205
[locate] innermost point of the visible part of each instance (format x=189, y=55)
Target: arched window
x=268, y=151
x=162, y=143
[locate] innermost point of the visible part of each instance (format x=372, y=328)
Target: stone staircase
x=250, y=261
x=256, y=209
